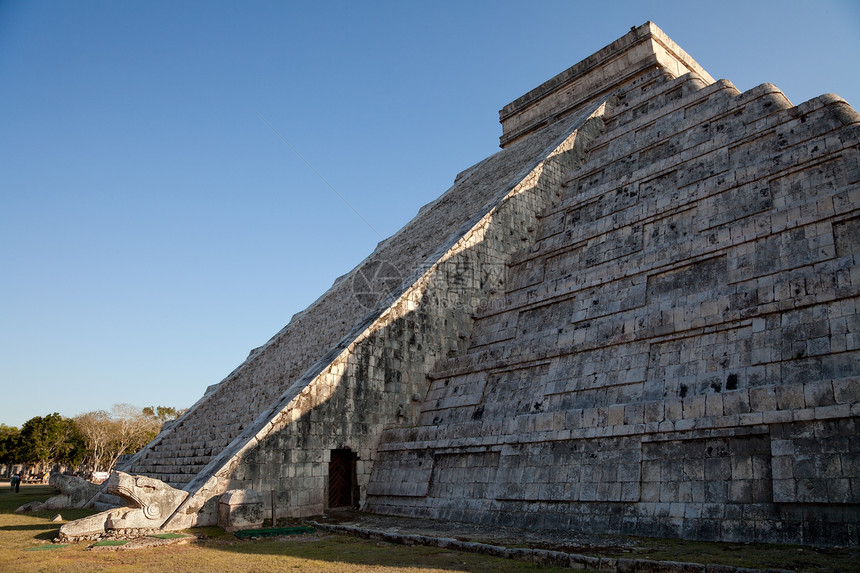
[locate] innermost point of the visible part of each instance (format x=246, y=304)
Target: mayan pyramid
x=640, y=316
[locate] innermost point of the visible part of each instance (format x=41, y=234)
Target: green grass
x=167, y=535
x=111, y=543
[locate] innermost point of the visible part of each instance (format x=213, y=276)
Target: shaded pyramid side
x=229, y=411
x=232, y=407
x=679, y=353
x=376, y=376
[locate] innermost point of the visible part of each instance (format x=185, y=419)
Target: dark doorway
x=341, y=479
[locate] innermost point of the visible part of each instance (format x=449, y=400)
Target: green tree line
x=90, y=442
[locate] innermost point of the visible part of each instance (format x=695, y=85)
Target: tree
x=125, y=429
x=133, y=430
x=10, y=443
x=97, y=430
x=96, y=439
x=163, y=413
x=46, y=440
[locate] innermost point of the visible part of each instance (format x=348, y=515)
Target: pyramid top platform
x=641, y=50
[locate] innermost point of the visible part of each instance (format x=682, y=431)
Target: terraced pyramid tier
x=640, y=316
x=677, y=355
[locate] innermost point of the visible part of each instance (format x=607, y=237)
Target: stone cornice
x=642, y=49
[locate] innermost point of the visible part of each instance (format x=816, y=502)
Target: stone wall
x=679, y=352
x=376, y=376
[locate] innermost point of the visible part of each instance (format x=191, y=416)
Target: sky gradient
x=153, y=226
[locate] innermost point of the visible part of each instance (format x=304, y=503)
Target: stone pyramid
x=640, y=316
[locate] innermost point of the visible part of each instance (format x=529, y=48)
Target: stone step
x=167, y=469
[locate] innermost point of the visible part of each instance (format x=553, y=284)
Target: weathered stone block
x=240, y=509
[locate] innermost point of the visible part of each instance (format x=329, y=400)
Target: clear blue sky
x=153, y=229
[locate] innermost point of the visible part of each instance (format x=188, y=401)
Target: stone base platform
x=582, y=549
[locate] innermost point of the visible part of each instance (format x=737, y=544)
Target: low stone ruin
x=150, y=503
x=74, y=492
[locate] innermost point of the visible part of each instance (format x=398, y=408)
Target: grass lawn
x=26, y=546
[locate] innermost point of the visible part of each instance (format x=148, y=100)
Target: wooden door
x=341, y=477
